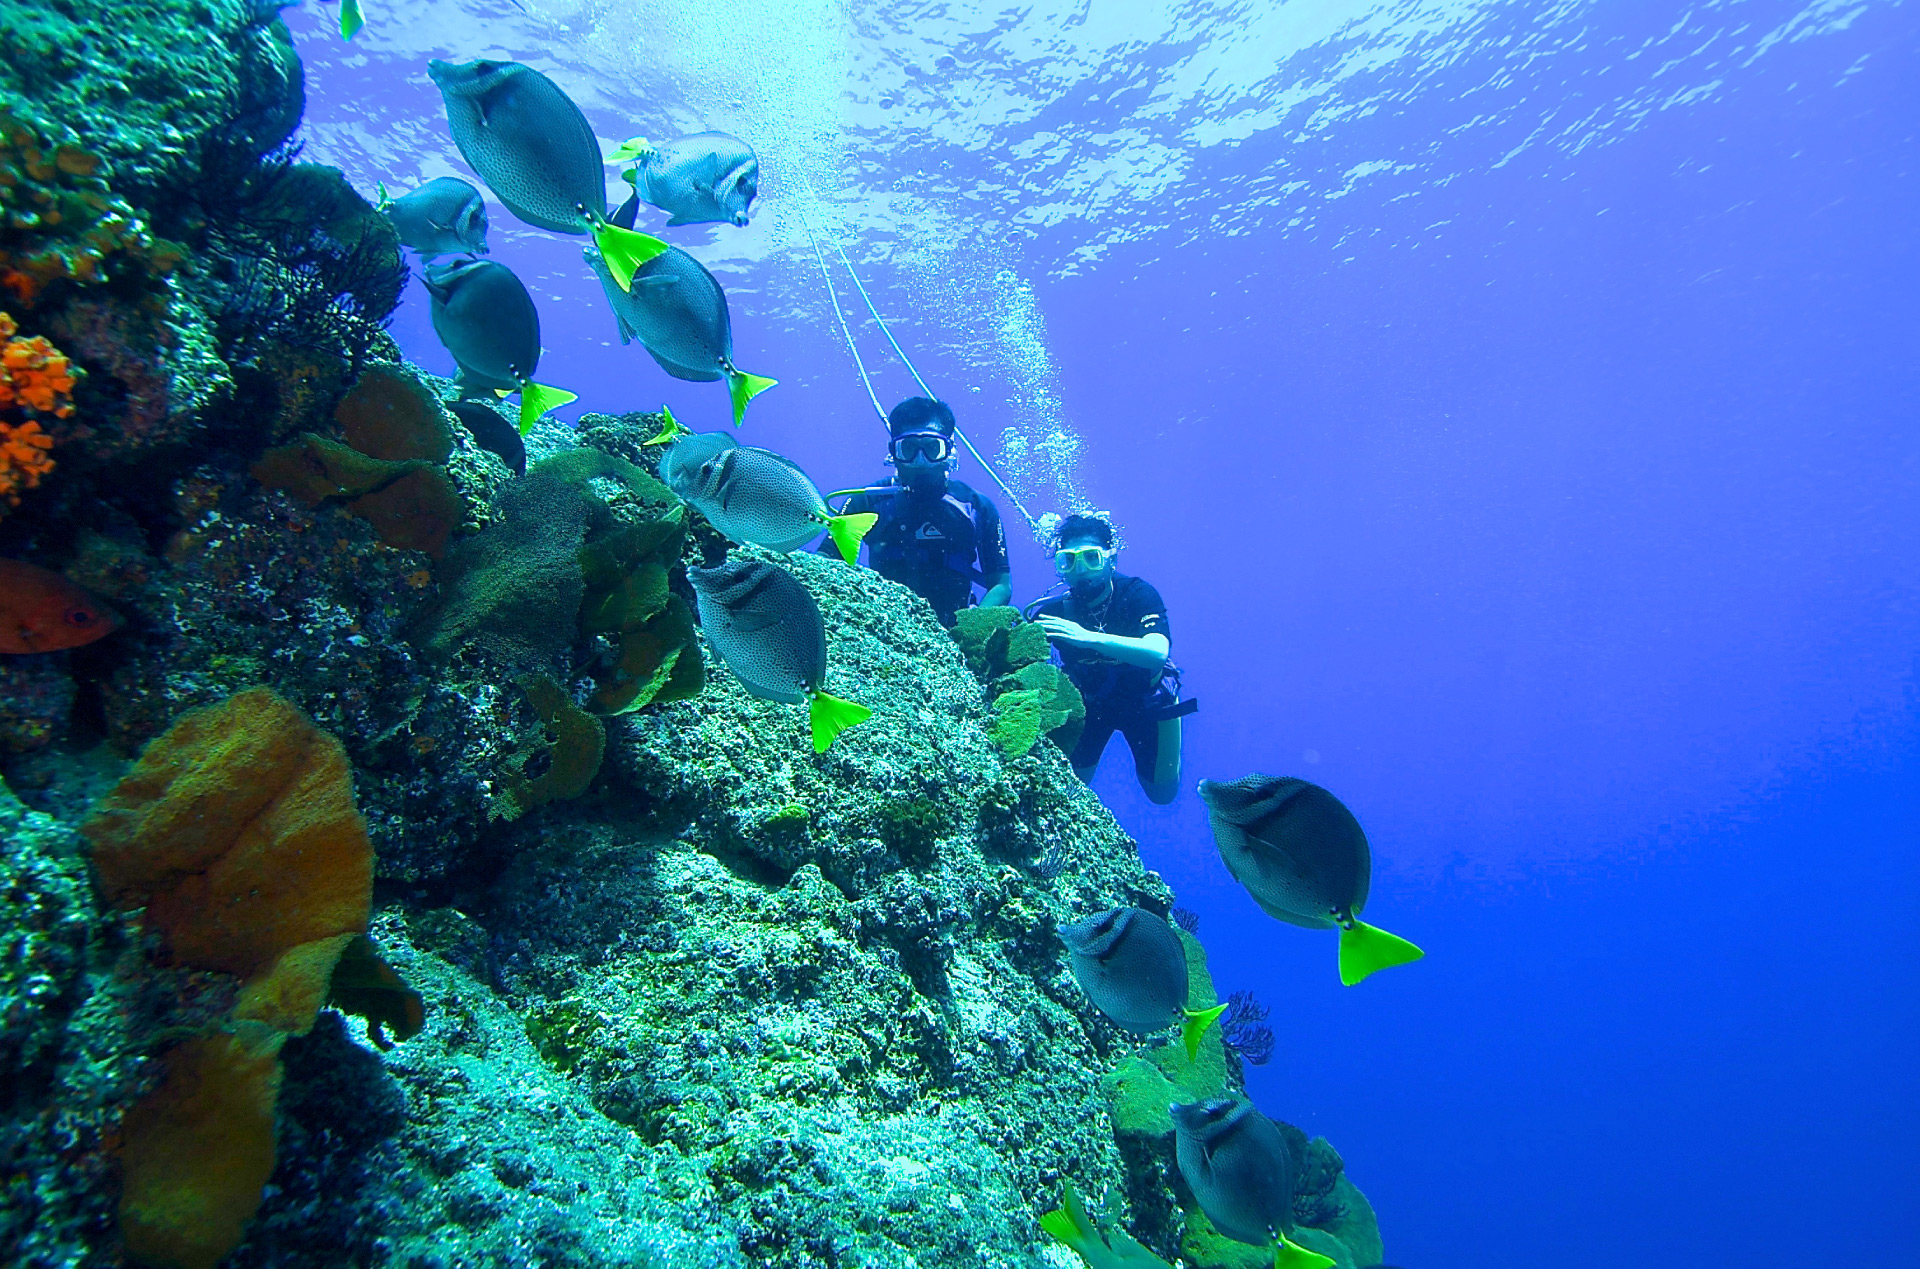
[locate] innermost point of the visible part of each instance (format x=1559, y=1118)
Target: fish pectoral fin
x=654, y=283
x=1194, y=1024
x=1367, y=949
x=847, y=531
x=830, y=716
x=630, y=149
x=624, y=250
x=678, y=219
x=743, y=387
x=536, y=399
x=1288, y=1254
x=350, y=19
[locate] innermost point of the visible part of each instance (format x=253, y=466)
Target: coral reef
x=1031, y=696
x=674, y=989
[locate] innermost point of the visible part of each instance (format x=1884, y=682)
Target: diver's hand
x=1071, y=633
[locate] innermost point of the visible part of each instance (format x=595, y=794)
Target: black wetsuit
x=939, y=544
x=1124, y=698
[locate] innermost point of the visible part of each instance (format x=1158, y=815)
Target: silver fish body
x=764, y=625
x=443, y=217
x=701, y=178
x=1295, y=847
x=751, y=495
x=486, y=319
x=528, y=141
x=1131, y=965
x=1238, y=1165
x=676, y=310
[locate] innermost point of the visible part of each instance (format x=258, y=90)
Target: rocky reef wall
x=693, y=994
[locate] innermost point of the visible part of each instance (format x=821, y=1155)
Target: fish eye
x=79, y=617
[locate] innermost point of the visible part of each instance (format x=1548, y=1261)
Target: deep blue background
x=1561, y=517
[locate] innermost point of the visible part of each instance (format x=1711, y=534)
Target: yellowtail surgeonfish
x=538, y=154
x=697, y=179
x=768, y=630
x=1242, y=1170
x=1303, y=857
x=758, y=496
x=485, y=317
x=678, y=312
x=1133, y=967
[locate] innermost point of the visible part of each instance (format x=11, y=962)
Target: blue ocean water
x=1516, y=405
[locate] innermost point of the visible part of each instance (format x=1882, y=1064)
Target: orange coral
x=59, y=222
x=33, y=373
x=35, y=379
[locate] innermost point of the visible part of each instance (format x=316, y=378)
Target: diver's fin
x=830, y=716
x=624, y=250
x=1194, y=1025
x=350, y=19
x=672, y=430
x=630, y=149
x=743, y=387
x=1288, y=1254
x=1367, y=949
x=536, y=399
x=848, y=530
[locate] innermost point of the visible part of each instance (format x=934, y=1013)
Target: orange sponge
x=199, y=1149
x=237, y=832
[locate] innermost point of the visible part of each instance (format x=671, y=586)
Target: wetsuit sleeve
x=992, y=542
x=1152, y=610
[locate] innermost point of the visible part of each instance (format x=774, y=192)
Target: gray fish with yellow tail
x=446, y=216
x=1134, y=968
x=535, y=150
x=768, y=630
x=486, y=319
x=1243, y=1172
x=678, y=312
x=696, y=179
x=758, y=496
x=1303, y=857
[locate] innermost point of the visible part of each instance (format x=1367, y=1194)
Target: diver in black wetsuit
x=935, y=535
x=1113, y=639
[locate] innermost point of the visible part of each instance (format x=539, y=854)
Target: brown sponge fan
x=237, y=832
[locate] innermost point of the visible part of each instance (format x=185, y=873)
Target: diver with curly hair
x=1112, y=636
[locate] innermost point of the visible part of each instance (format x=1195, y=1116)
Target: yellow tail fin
x=830, y=716
x=350, y=19
x=744, y=387
x=1366, y=949
x=1195, y=1025
x=848, y=530
x=672, y=430
x=1291, y=1255
x=624, y=250
x=536, y=399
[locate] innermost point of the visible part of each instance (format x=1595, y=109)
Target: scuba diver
x=1112, y=636
x=935, y=535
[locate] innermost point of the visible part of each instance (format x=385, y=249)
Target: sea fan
x=1188, y=920
x=1243, y=1029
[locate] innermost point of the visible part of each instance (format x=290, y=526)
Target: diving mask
x=1085, y=559
x=920, y=447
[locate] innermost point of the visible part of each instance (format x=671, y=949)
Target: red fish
x=44, y=612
